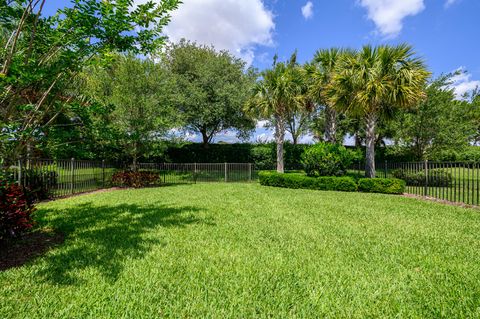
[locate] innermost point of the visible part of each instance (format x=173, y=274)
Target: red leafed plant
x=15, y=210
x=135, y=179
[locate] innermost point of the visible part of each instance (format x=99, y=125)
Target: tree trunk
x=135, y=156
x=279, y=139
x=330, y=125
x=205, y=138
x=295, y=139
x=358, y=140
x=371, y=121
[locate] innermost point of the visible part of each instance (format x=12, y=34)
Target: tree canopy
x=211, y=88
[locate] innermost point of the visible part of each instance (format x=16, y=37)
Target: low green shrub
x=381, y=185
x=326, y=159
x=293, y=180
x=436, y=177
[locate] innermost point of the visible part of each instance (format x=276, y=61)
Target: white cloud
x=462, y=83
x=307, y=10
x=237, y=26
x=449, y=3
x=388, y=15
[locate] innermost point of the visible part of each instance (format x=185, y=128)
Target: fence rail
x=60, y=178
x=175, y=173
x=450, y=181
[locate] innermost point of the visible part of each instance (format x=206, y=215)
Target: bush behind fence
x=450, y=181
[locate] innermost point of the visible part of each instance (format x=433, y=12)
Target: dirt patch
x=441, y=201
x=17, y=252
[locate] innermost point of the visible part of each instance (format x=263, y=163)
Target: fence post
x=226, y=173
x=194, y=173
x=386, y=168
x=20, y=173
x=249, y=172
x=103, y=173
x=425, y=190
x=72, y=176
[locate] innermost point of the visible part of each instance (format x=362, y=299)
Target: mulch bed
x=17, y=252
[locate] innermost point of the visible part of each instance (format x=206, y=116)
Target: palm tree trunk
x=330, y=125
x=279, y=139
x=371, y=121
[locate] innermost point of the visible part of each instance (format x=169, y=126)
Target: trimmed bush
x=381, y=185
x=436, y=177
x=135, y=179
x=15, y=210
x=296, y=181
x=326, y=159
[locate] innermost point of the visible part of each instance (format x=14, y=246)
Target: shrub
x=15, y=210
x=135, y=179
x=381, y=185
x=345, y=184
x=38, y=183
x=326, y=159
x=436, y=177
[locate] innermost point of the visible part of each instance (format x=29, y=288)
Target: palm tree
x=320, y=74
x=280, y=92
x=374, y=82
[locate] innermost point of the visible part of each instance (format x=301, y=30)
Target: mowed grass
x=246, y=251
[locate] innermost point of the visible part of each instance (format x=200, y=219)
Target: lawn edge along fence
x=48, y=178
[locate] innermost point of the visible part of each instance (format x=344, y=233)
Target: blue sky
x=444, y=32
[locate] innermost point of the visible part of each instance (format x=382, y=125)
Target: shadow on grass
x=102, y=238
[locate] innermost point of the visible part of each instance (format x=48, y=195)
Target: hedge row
x=343, y=184
x=381, y=185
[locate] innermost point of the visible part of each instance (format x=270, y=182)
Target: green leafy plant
x=381, y=185
x=326, y=159
x=436, y=177
x=296, y=181
x=15, y=210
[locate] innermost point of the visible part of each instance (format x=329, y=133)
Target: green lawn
x=246, y=251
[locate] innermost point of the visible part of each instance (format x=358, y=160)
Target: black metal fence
x=60, y=178
x=175, y=173
x=451, y=181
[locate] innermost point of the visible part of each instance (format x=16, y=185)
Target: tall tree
x=439, y=123
x=140, y=92
x=280, y=92
x=320, y=73
x=374, y=82
x=41, y=56
x=211, y=89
